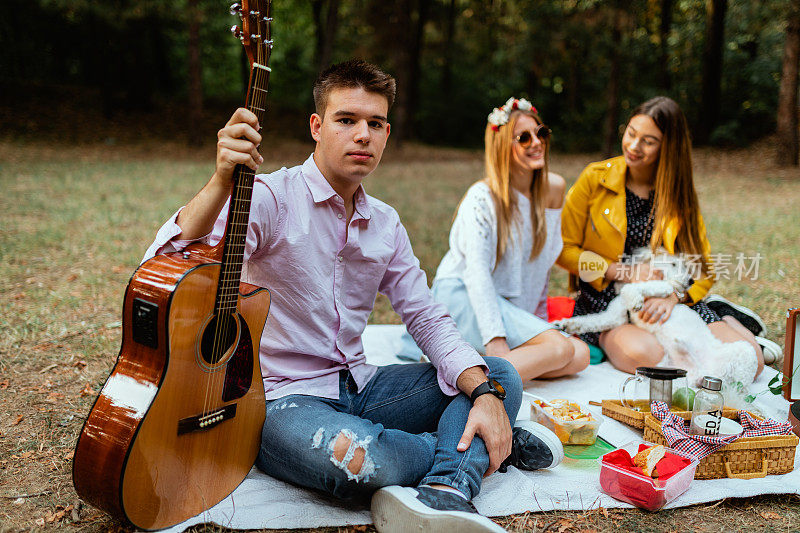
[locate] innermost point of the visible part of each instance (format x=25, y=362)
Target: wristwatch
x=488, y=387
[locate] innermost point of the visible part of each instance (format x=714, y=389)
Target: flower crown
x=500, y=115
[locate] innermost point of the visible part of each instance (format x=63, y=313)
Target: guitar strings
x=235, y=244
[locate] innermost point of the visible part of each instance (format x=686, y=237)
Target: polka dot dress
x=640, y=229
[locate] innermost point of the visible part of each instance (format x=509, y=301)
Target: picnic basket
x=631, y=417
x=746, y=458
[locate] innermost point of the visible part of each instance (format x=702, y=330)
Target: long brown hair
x=675, y=195
x=498, y=177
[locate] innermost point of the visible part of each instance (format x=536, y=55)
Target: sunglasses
x=525, y=139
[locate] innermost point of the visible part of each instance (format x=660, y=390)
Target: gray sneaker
x=399, y=509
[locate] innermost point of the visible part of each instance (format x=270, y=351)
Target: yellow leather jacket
x=594, y=220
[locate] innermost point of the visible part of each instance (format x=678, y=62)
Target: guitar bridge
x=206, y=420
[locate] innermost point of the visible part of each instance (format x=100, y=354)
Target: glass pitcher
x=650, y=384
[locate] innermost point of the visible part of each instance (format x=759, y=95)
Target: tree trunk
x=195, y=75
x=787, y=96
x=331, y=26
x=611, y=130
x=411, y=17
x=415, y=57
x=402, y=65
x=325, y=30
x=712, y=68
x=447, y=67
x=664, y=27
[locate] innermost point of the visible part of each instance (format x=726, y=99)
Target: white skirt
x=520, y=325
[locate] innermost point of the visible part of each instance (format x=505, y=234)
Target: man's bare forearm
x=237, y=144
x=470, y=378
x=198, y=217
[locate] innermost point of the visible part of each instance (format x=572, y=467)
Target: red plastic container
x=644, y=491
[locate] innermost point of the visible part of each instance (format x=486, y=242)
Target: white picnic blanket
x=263, y=502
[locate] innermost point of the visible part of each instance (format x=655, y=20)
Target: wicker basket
x=614, y=409
x=746, y=458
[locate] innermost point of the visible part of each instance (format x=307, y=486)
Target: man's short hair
x=352, y=74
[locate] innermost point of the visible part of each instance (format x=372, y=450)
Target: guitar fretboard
x=239, y=209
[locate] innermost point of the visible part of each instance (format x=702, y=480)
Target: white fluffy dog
x=687, y=341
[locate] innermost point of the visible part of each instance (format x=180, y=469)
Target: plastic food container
x=572, y=422
x=643, y=491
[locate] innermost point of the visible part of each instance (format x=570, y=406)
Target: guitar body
x=175, y=429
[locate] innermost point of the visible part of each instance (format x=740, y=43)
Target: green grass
x=74, y=224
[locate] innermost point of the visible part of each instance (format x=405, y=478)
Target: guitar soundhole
x=219, y=336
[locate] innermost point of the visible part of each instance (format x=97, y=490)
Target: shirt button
x=608, y=165
x=606, y=211
x=340, y=258
x=339, y=215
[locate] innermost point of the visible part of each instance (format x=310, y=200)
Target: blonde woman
x=505, y=238
x=646, y=197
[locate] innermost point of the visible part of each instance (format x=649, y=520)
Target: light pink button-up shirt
x=323, y=277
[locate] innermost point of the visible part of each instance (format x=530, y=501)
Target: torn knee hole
x=341, y=447
x=350, y=454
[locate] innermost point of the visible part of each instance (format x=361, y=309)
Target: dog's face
x=674, y=267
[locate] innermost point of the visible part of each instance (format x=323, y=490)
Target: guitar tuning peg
x=267, y=19
x=254, y=14
x=236, y=9
x=236, y=31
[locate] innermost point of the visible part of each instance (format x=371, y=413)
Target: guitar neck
x=239, y=209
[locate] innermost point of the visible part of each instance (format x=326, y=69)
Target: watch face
x=499, y=388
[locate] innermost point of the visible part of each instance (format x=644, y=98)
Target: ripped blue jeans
x=400, y=430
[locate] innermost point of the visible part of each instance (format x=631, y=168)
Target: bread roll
x=648, y=458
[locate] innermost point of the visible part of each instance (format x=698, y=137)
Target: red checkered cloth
x=676, y=431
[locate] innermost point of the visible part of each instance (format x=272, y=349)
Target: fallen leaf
x=564, y=525
x=19, y=296
x=40, y=521
x=769, y=515
x=87, y=390
x=604, y=511
x=18, y=420
x=79, y=364
x=26, y=455
x=53, y=396
x=69, y=455
x=4, y=384
x=72, y=277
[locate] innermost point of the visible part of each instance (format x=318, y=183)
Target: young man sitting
x=325, y=248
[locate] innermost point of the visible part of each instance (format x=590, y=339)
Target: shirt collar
x=322, y=191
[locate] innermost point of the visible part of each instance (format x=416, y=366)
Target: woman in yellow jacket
x=645, y=197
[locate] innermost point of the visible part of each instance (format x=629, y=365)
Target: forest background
x=584, y=63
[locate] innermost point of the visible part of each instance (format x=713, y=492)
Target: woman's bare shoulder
x=557, y=186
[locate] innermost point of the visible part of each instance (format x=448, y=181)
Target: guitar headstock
x=256, y=30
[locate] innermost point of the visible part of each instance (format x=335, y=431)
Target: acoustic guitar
x=177, y=425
